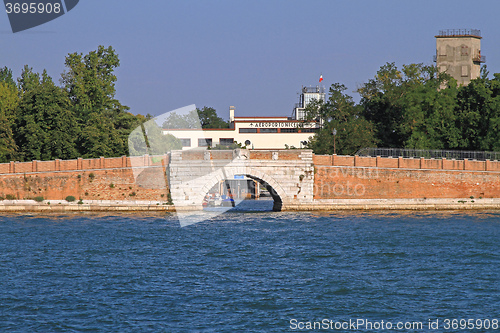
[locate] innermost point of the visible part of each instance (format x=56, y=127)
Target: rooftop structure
x=458, y=53
x=307, y=95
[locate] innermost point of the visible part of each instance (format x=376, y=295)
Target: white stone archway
x=289, y=174
x=277, y=192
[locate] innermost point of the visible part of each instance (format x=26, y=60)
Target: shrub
x=70, y=198
x=91, y=176
x=80, y=202
x=38, y=199
x=112, y=185
x=132, y=194
x=10, y=197
x=2, y=198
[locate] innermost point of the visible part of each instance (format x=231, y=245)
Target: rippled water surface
x=245, y=272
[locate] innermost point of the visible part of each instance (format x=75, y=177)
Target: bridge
x=288, y=175
x=296, y=178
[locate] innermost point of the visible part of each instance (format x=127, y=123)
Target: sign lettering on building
x=282, y=125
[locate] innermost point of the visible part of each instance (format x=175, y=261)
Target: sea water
x=250, y=272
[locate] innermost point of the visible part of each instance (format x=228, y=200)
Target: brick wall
x=91, y=179
x=406, y=163
x=335, y=177
x=351, y=177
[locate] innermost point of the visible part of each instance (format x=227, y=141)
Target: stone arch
x=274, y=188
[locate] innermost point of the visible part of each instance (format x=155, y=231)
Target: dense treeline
x=415, y=107
x=40, y=120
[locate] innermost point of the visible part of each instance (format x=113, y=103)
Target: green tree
x=428, y=112
x=8, y=104
x=195, y=119
x=340, y=113
x=45, y=127
x=209, y=119
x=379, y=100
x=90, y=84
x=149, y=139
x=6, y=77
x=478, y=114
x=177, y=120
x=90, y=80
x=409, y=107
x=98, y=137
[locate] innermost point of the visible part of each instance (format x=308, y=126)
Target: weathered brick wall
x=398, y=178
x=112, y=184
x=127, y=178
x=406, y=163
x=88, y=179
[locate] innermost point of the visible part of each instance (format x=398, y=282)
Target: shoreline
x=58, y=206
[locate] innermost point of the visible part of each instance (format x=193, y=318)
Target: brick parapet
x=82, y=164
x=406, y=163
x=373, y=177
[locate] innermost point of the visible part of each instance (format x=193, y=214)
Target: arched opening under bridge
x=244, y=192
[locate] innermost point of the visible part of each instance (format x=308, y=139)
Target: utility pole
x=334, y=132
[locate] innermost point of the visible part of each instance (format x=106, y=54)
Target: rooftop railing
x=479, y=59
x=459, y=32
x=437, y=154
x=316, y=89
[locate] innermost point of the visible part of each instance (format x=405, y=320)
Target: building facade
x=458, y=53
x=253, y=132
x=257, y=132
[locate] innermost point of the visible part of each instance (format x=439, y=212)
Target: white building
x=256, y=132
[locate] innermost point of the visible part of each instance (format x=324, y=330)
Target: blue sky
x=254, y=55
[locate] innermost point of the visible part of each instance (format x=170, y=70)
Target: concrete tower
x=307, y=95
x=458, y=53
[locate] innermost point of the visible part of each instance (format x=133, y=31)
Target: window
x=269, y=130
x=204, y=142
x=301, y=114
x=226, y=142
x=289, y=130
x=309, y=130
x=465, y=71
x=248, y=130
x=185, y=142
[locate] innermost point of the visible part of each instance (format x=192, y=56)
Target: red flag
x=321, y=78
